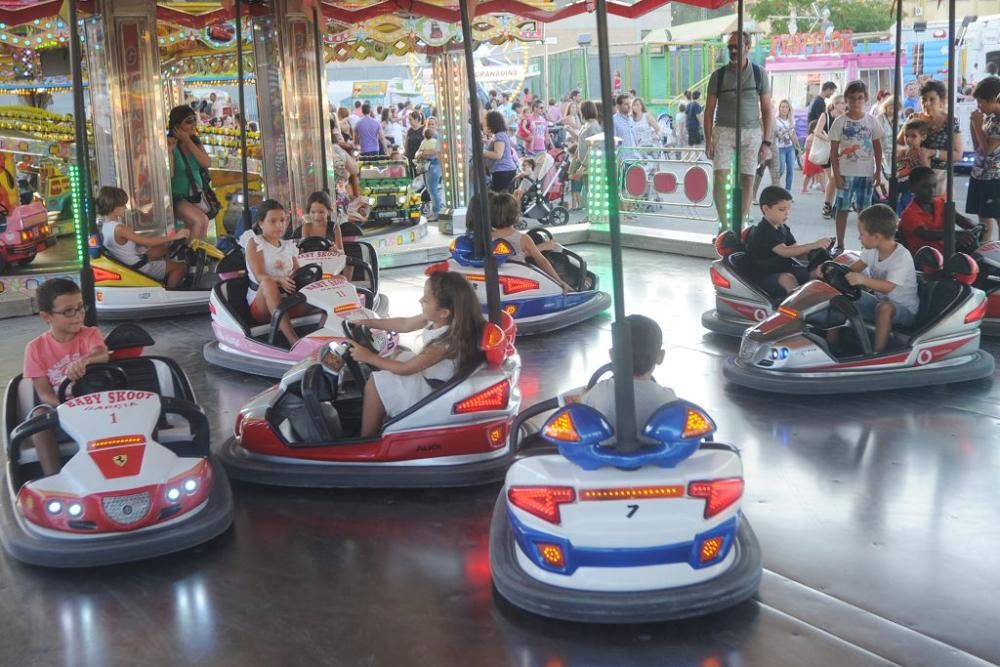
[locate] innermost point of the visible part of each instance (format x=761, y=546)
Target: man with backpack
x=756, y=120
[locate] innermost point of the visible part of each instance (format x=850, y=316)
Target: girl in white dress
x=271, y=261
x=452, y=323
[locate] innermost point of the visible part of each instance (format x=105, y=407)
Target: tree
x=681, y=14
x=854, y=15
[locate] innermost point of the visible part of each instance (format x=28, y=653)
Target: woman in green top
x=187, y=159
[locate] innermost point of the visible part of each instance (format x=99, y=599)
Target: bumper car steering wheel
x=99, y=377
x=836, y=276
x=178, y=249
x=315, y=244
x=306, y=275
x=361, y=335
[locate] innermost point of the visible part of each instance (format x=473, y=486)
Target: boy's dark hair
x=428, y=133
x=988, y=89
x=52, y=289
x=696, y=95
x=879, y=219
x=855, y=87
x=920, y=174
x=773, y=195
x=109, y=198
x=829, y=85
x=647, y=340
x=917, y=125
x=366, y=108
x=934, y=86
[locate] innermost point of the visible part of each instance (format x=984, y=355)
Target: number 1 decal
x=114, y=418
x=632, y=509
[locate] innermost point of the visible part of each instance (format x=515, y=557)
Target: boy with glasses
x=64, y=351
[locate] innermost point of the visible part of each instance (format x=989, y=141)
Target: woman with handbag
x=188, y=170
x=819, y=153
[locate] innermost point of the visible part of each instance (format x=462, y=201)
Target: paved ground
x=876, y=515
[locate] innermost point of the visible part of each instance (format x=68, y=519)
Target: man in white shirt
x=624, y=127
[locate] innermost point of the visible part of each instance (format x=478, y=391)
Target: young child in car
x=64, y=351
x=885, y=268
x=271, y=261
x=922, y=222
x=124, y=244
x=772, y=248
x=505, y=213
x=647, y=354
x=320, y=220
x=451, y=323
x=910, y=155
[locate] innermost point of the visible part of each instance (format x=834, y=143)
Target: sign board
x=807, y=43
x=369, y=88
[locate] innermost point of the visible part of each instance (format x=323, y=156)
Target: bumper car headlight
x=173, y=494
x=190, y=485
x=75, y=510
x=54, y=507
x=401, y=199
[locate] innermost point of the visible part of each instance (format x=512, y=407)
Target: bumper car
x=304, y=431
x=988, y=258
x=535, y=301
x=24, y=232
x=585, y=532
x=388, y=186
x=123, y=292
x=789, y=353
x=323, y=301
x=740, y=302
x=138, y=480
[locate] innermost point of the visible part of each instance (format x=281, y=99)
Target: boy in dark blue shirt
x=772, y=248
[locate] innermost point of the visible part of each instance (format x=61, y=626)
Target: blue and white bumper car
x=528, y=294
x=590, y=534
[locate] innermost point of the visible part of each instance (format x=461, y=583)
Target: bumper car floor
x=875, y=516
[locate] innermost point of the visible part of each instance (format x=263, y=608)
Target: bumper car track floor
x=876, y=516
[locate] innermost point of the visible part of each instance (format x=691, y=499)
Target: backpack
x=526, y=130
x=757, y=76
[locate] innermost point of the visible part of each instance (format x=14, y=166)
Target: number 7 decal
x=632, y=509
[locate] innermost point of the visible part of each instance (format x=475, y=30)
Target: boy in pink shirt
x=64, y=351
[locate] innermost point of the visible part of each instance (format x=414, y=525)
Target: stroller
x=537, y=202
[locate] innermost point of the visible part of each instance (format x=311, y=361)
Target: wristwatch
x=766, y=142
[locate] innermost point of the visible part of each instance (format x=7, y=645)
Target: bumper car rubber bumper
x=990, y=327
x=710, y=320
x=242, y=466
x=738, y=583
x=216, y=355
x=979, y=365
x=564, y=318
x=213, y=519
x=139, y=312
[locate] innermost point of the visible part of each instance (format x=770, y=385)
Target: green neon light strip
x=77, y=196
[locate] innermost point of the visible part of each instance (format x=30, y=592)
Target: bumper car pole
x=621, y=334
x=83, y=167
x=897, y=92
x=949, y=199
x=478, y=168
x=324, y=123
x=735, y=172
x=241, y=94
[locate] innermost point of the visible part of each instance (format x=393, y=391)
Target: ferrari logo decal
x=120, y=459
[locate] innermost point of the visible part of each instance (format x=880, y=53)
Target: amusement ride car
x=138, y=478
